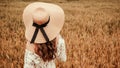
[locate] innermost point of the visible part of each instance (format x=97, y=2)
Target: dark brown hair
x=46, y=50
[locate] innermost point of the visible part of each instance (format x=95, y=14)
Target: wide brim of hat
x=53, y=27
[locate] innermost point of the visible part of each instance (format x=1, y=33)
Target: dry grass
x=91, y=32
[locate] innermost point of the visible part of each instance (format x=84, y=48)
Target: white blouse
x=32, y=60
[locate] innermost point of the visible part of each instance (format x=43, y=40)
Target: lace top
x=32, y=60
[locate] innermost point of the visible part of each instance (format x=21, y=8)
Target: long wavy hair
x=46, y=50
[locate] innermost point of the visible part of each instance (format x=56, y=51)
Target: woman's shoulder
x=59, y=39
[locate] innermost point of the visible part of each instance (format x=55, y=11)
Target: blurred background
x=91, y=32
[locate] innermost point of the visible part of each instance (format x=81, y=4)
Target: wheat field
x=91, y=32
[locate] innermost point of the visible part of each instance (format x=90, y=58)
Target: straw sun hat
x=43, y=21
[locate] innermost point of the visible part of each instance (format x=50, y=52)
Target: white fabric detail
x=32, y=60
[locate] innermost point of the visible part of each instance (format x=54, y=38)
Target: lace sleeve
x=61, y=50
x=28, y=60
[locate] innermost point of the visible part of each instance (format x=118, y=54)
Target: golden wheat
x=91, y=32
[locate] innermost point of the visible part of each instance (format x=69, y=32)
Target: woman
x=43, y=22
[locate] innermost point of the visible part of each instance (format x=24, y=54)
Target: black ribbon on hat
x=41, y=29
x=44, y=35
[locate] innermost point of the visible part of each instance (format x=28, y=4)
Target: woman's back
x=32, y=60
